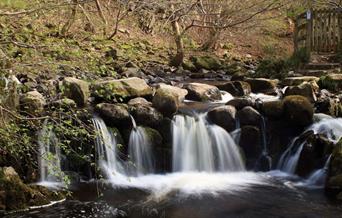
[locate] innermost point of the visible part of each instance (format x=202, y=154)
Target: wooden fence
x=319, y=31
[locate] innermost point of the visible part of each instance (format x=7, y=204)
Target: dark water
x=274, y=200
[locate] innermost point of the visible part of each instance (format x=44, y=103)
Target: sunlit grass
x=13, y=4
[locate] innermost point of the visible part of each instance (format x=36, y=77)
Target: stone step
x=322, y=66
x=317, y=73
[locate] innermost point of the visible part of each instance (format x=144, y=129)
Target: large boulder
x=223, y=116
x=168, y=98
x=32, y=102
x=235, y=88
x=305, y=89
x=202, y=92
x=122, y=89
x=146, y=115
x=273, y=109
x=250, y=142
x=262, y=85
x=249, y=116
x=298, y=110
x=206, y=62
x=77, y=90
x=114, y=114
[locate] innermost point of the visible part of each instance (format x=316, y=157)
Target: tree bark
x=178, y=59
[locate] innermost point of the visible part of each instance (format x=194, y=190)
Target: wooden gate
x=319, y=31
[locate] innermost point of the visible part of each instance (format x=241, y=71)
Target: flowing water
x=140, y=153
x=49, y=157
x=208, y=179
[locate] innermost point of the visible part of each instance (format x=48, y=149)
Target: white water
x=106, y=149
x=49, y=158
x=327, y=126
x=198, y=146
x=140, y=153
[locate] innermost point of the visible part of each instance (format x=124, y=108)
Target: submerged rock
x=298, y=110
x=334, y=182
x=32, y=102
x=202, y=92
x=223, y=116
x=77, y=90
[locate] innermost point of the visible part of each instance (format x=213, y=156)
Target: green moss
x=327, y=82
x=153, y=136
x=206, y=62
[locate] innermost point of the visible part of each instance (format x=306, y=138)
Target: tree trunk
x=212, y=40
x=178, y=59
x=71, y=19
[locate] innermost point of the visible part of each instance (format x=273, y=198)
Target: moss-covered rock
x=206, y=62
x=122, y=89
x=15, y=195
x=153, y=136
x=306, y=89
x=32, y=102
x=332, y=82
x=298, y=110
x=273, y=109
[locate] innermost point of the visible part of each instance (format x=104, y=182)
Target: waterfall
x=317, y=178
x=49, y=158
x=140, y=153
x=329, y=127
x=140, y=162
x=199, y=146
x=106, y=149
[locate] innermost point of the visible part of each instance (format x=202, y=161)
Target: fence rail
x=319, y=31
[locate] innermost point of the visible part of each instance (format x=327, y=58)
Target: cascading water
x=49, y=158
x=106, y=149
x=317, y=178
x=140, y=152
x=328, y=126
x=199, y=146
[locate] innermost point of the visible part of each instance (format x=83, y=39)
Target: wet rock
x=32, y=102
x=329, y=104
x=240, y=103
x=206, y=62
x=334, y=184
x=153, y=136
x=146, y=115
x=305, y=89
x=202, y=92
x=139, y=101
x=236, y=88
x=262, y=85
x=122, y=89
x=298, y=110
x=295, y=81
x=250, y=142
x=249, y=116
x=223, y=116
x=9, y=94
x=168, y=98
x=273, y=109
x=77, y=90
x=114, y=114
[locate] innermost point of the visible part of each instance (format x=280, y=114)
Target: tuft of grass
x=13, y=4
